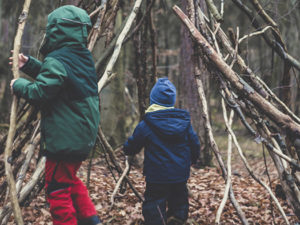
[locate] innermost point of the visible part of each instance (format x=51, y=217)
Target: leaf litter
x=206, y=187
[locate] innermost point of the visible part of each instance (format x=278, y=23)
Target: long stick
x=118, y=45
x=119, y=182
x=13, y=115
x=216, y=151
x=229, y=151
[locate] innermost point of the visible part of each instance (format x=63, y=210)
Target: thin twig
x=270, y=184
x=229, y=150
x=271, y=93
x=96, y=11
x=236, y=47
x=90, y=168
x=255, y=33
x=114, y=161
x=222, y=8
x=119, y=182
x=161, y=215
x=263, y=13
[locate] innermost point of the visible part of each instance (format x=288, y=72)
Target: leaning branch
x=97, y=27
x=118, y=45
x=30, y=152
x=112, y=156
x=229, y=151
x=263, y=13
x=13, y=115
x=238, y=83
x=119, y=182
x=216, y=151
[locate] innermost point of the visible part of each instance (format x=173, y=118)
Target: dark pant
x=160, y=196
x=67, y=195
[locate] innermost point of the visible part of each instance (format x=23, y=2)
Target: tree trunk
x=190, y=65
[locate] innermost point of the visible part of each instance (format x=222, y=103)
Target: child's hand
x=11, y=85
x=22, y=60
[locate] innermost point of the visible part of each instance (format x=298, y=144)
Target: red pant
x=67, y=195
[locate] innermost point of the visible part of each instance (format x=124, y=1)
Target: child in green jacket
x=65, y=89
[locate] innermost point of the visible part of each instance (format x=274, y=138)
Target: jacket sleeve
x=194, y=145
x=136, y=142
x=32, y=67
x=47, y=85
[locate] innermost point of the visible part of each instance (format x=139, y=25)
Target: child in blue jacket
x=171, y=146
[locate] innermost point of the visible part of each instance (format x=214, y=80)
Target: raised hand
x=22, y=59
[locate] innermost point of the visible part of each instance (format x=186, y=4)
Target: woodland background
x=160, y=45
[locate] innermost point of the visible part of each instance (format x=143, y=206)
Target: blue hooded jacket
x=170, y=142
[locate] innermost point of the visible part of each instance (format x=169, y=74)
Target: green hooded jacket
x=65, y=86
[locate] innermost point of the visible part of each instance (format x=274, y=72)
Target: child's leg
x=85, y=208
x=178, y=204
x=58, y=194
x=63, y=189
x=154, y=206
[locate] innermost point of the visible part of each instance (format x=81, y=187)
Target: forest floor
x=206, y=187
x=206, y=191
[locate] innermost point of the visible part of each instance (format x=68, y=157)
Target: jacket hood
x=67, y=26
x=169, y=123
